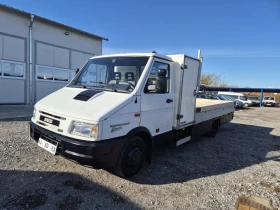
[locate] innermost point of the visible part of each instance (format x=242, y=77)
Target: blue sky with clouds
x=240, y=40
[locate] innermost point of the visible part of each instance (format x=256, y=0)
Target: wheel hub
x=134, y=157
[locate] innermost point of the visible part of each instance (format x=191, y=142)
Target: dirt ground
x=243, y=159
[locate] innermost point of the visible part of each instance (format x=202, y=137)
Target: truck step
x=183, y=140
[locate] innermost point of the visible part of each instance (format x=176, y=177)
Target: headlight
x=84, y=129
x=34, y=113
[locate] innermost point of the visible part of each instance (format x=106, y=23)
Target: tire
x=213, y=132
x=246, y=105
x=131, y=158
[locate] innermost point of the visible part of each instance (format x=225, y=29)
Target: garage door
x=12, y=70
x=55, y=67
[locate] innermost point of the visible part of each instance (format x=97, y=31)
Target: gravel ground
x=243, y=159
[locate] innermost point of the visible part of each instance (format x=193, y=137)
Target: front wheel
x=246, y=105
x=131, y=158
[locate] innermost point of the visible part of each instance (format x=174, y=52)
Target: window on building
x=0, y=68
x=44, y=73
x=11, y=69
x=60, y=75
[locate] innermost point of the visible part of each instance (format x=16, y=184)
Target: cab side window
x=158, y=81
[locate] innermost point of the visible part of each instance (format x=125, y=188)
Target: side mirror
x=77, y=70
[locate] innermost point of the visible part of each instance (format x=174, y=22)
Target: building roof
x=51, y=21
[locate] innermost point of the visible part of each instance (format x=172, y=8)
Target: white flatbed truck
x=118, y=108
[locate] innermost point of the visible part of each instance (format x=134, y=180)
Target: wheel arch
x=145, y=134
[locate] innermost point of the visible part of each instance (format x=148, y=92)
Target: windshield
x=119, y=74
x=243, y=98
x=269, y=98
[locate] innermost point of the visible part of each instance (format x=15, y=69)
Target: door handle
x=169, y=101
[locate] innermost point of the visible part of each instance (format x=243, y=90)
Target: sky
x=239, y=39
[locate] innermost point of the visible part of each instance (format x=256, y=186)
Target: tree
x=212, y=80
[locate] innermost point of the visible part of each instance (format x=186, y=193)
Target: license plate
x=268, y=104
x=47, y=146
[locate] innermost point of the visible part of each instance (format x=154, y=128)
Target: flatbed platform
x=207, y=109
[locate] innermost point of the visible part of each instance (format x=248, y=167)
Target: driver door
x=157, y=109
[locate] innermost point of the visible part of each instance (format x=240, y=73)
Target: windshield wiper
x=97, y=82
x=78, y=86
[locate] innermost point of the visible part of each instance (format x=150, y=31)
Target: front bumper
x=269, y=104
x=102, y=154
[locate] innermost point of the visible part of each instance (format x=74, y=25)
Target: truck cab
x=119, y=107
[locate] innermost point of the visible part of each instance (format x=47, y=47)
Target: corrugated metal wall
x=12, y=69
x=55, y=67
x=55, y=56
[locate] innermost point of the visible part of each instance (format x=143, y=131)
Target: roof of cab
x=136, y=55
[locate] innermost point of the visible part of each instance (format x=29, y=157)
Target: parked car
x=238, y=104
x=269, y=101
x=202, y=95
x=238, y=96
x=255, y=100
x=212, y=96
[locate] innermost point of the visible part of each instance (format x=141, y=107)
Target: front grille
x=52, y=115
x=49, y=121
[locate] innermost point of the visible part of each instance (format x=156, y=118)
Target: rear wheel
x=215, y=128
x=132, y=157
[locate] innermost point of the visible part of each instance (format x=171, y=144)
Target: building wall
x=52, y=51
x=14, y=34
x=45, y=32
x=57, y=55
x=14, y=24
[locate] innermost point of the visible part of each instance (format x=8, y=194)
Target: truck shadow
x=235, y=147
x=56, y=190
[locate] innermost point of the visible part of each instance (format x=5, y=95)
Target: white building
x=38, y=55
